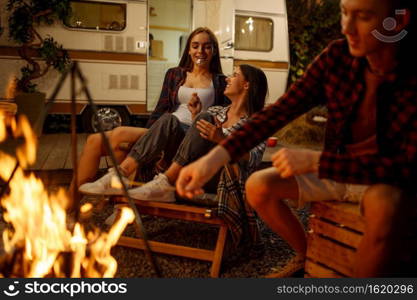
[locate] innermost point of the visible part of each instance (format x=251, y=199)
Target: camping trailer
x=125, y=47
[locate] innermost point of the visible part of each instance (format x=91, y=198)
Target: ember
x=37, y=241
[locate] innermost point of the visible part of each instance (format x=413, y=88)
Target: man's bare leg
x=386, y=213
x=265, y=193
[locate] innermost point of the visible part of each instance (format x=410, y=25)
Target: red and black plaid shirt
x=336, y=79
x=168, y=100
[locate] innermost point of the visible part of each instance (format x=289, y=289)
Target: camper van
x=125, y=47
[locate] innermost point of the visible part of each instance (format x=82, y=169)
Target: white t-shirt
x=206, y=96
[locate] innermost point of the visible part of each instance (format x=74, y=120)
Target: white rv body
x=119, y=70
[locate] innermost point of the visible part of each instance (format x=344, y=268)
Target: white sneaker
x=108, y=185
x=158, y=189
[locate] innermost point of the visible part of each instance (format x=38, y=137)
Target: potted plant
x=41, y=53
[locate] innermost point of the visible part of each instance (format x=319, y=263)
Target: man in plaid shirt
x=369, y=86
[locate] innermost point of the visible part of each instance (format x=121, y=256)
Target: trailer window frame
x=113, y=26
x=238, y=32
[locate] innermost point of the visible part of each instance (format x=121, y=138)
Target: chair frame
x=180, y=212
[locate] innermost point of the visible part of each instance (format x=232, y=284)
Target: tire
x=113, y=116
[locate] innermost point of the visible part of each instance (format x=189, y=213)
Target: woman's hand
x=194, y=105
x=211, y=132
x=290, y=162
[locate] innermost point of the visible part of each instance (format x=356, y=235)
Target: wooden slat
x=57, y=158
x=46, y=146
x=174, y=211
x=218, y=251
x=331, y=254
x=346, y=214
x=314, y=270
x=343, y=235
x=166, y=248
x=81, y=138
x=171, y=206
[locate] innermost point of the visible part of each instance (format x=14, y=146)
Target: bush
x=312, y=25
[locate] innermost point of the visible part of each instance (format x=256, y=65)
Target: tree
x=24, y=17
x=312, y=24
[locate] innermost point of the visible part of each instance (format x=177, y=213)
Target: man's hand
x=194, y=105
x=290, y=162
x=193, y=177
x=211, y=132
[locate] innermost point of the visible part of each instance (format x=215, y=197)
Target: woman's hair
x=258, y=87
x=186, y=61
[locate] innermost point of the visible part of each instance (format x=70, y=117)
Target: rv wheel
x=111, y=117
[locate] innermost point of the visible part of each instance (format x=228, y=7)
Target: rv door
x=219, y=16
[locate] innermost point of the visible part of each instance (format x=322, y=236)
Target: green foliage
x=53, y=54
x=312, y=24
x=24, y=17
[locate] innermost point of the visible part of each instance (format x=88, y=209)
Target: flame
x=39, y=222
x=115, y=182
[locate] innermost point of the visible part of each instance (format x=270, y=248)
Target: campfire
x=38, y=242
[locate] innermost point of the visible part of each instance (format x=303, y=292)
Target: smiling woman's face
x=201, y=50
x=236, y=83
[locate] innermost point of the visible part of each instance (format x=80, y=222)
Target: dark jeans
x=194, y=146
x=171, y=137
x=164, y=136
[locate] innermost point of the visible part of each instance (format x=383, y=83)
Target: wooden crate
x=335, y=230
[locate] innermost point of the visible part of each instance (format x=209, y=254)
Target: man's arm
x=193, y=177
x=290, y=162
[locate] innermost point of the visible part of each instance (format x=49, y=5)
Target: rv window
x=97, y=15
x=253, y=33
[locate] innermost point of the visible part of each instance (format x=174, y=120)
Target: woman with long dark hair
x=246, y=88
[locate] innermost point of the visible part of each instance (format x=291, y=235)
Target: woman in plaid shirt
x=369, y=86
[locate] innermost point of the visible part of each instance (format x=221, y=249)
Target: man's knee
x=258, y=189
x=382, y=201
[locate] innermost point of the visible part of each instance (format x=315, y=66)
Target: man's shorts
x=311, y=188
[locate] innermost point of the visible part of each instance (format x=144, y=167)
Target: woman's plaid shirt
x=335, y=79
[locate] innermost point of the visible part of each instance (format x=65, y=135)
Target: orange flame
x=39, y=220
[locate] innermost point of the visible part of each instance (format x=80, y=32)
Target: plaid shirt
x=231, y=197
x=336, y=79
x=168, y=100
